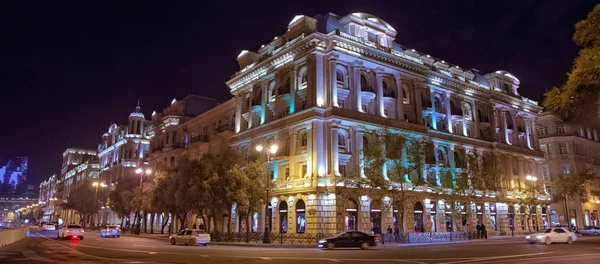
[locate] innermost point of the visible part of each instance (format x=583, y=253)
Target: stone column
x=536, y=143
x=399, y=96
x=357, y=86
x=311, y=159
x=238, y=113
x=492, y=115
x=293, y=152
x=359, y=146
x=503, y=128
x=418, y=103
x=334, y=150
x=379, y=86
x=508, y=172
x=333, y=79
x=515, y=133
x=475, y=120
x=263, y=103
x=448, y=113
x=293, y=89
x=434, y=112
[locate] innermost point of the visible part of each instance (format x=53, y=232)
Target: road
x=43, y=247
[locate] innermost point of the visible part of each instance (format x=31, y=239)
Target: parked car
x=110, y=231
x=48, y=227
x=552, y=235
x=590, y=231
x=349, y=239
x=71, y=231
x=190, y=237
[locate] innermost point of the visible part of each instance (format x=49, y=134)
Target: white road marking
x=335, y=260
x=144, y=246
x=152, y=253
x=204, y=256
x=266, y=258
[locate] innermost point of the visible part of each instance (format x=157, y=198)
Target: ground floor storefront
x=579, y=214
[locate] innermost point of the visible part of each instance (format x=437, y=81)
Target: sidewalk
x=492, y=238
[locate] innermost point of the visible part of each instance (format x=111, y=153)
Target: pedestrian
x=478, y=227
x=389, y=230
x=194, y=226
x=170, y=229
x=201, y=226
x=483, y=231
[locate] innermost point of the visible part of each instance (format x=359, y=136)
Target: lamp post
x=141, y=172
x=271, y=150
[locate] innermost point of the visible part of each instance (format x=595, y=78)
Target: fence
x=294, y=238
x=10, y=236
x=281, y=238
x=427, y=237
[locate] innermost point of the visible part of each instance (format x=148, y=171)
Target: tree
x=529, y=200
x=121, y=198
x=399, y=155
x=250, y=188
x=472, y=183
x=159, y=201
x=569, y=187
x=82, y=200
x=577, y=101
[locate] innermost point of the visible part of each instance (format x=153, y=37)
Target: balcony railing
x=200, y=138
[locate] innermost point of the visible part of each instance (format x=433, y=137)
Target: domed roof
x=374, y=19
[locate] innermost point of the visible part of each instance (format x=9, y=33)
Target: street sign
x=189, y=215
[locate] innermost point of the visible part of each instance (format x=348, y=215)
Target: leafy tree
x=81, y=201
x=121, y=198
x=398, y=155
x=577, y=101
x=159, y=199
x=570, y=187
x=250, y=188
x=529, y=200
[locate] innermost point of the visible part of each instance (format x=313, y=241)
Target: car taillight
x=82, y=231
x=118, y=229
x=74, y=236
x=376, y=238
x=67, y=231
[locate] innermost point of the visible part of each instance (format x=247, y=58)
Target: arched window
x=283, y=215
x=438, y=104
x=271, y=92
x=375, y=217
x=418, y=210
x=351, y=219
x=300, y=217
x=304, y=140
x=365, y=142
x=285, y=88
x=339, y=76
x=405, y=95
x=441, y=158
x=388, y=91
x=468, y=112
x=303, y=78
x=341, y=140
x=365, y=86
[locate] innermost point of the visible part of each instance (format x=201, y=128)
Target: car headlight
x=527, y=237
x=539, y=237
x=322, y=241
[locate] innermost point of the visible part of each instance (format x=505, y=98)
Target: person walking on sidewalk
x=478, y=227
x=483, y=231
x=396, y=233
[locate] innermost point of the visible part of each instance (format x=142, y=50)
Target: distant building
x=571, y=149
x=48, y=197
x=78, y=164
x=124, y=148
x=13, y=174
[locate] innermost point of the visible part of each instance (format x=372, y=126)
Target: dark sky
x=68, y=69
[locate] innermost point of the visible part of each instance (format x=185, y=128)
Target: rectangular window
x=545, y=130
x=138, y=127
x=167, y=139
x=304, y=170
x=560, y=129
x=562, y=148
x=174, y=137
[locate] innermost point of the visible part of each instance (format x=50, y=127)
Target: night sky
x=69, y=69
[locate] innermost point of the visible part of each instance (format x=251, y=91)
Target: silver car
x=110, y=231
x=589, y=231
x=190, y=237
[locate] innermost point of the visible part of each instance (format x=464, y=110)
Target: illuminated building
x=47, y=195
x=318, y=90
x=78, y=164
x=571, y=149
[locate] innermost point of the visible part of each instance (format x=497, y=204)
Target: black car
x=349, y=239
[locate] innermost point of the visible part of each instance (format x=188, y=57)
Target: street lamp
x=531, y=178
x=271, y=150
x=141, y=172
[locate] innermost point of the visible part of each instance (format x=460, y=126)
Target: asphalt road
x=43, y=247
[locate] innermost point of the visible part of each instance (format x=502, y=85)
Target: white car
x=71, y=231
x=552, y=235
x=190, y=237
x=589, y=231
x=111, y=231
x=48, y=227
